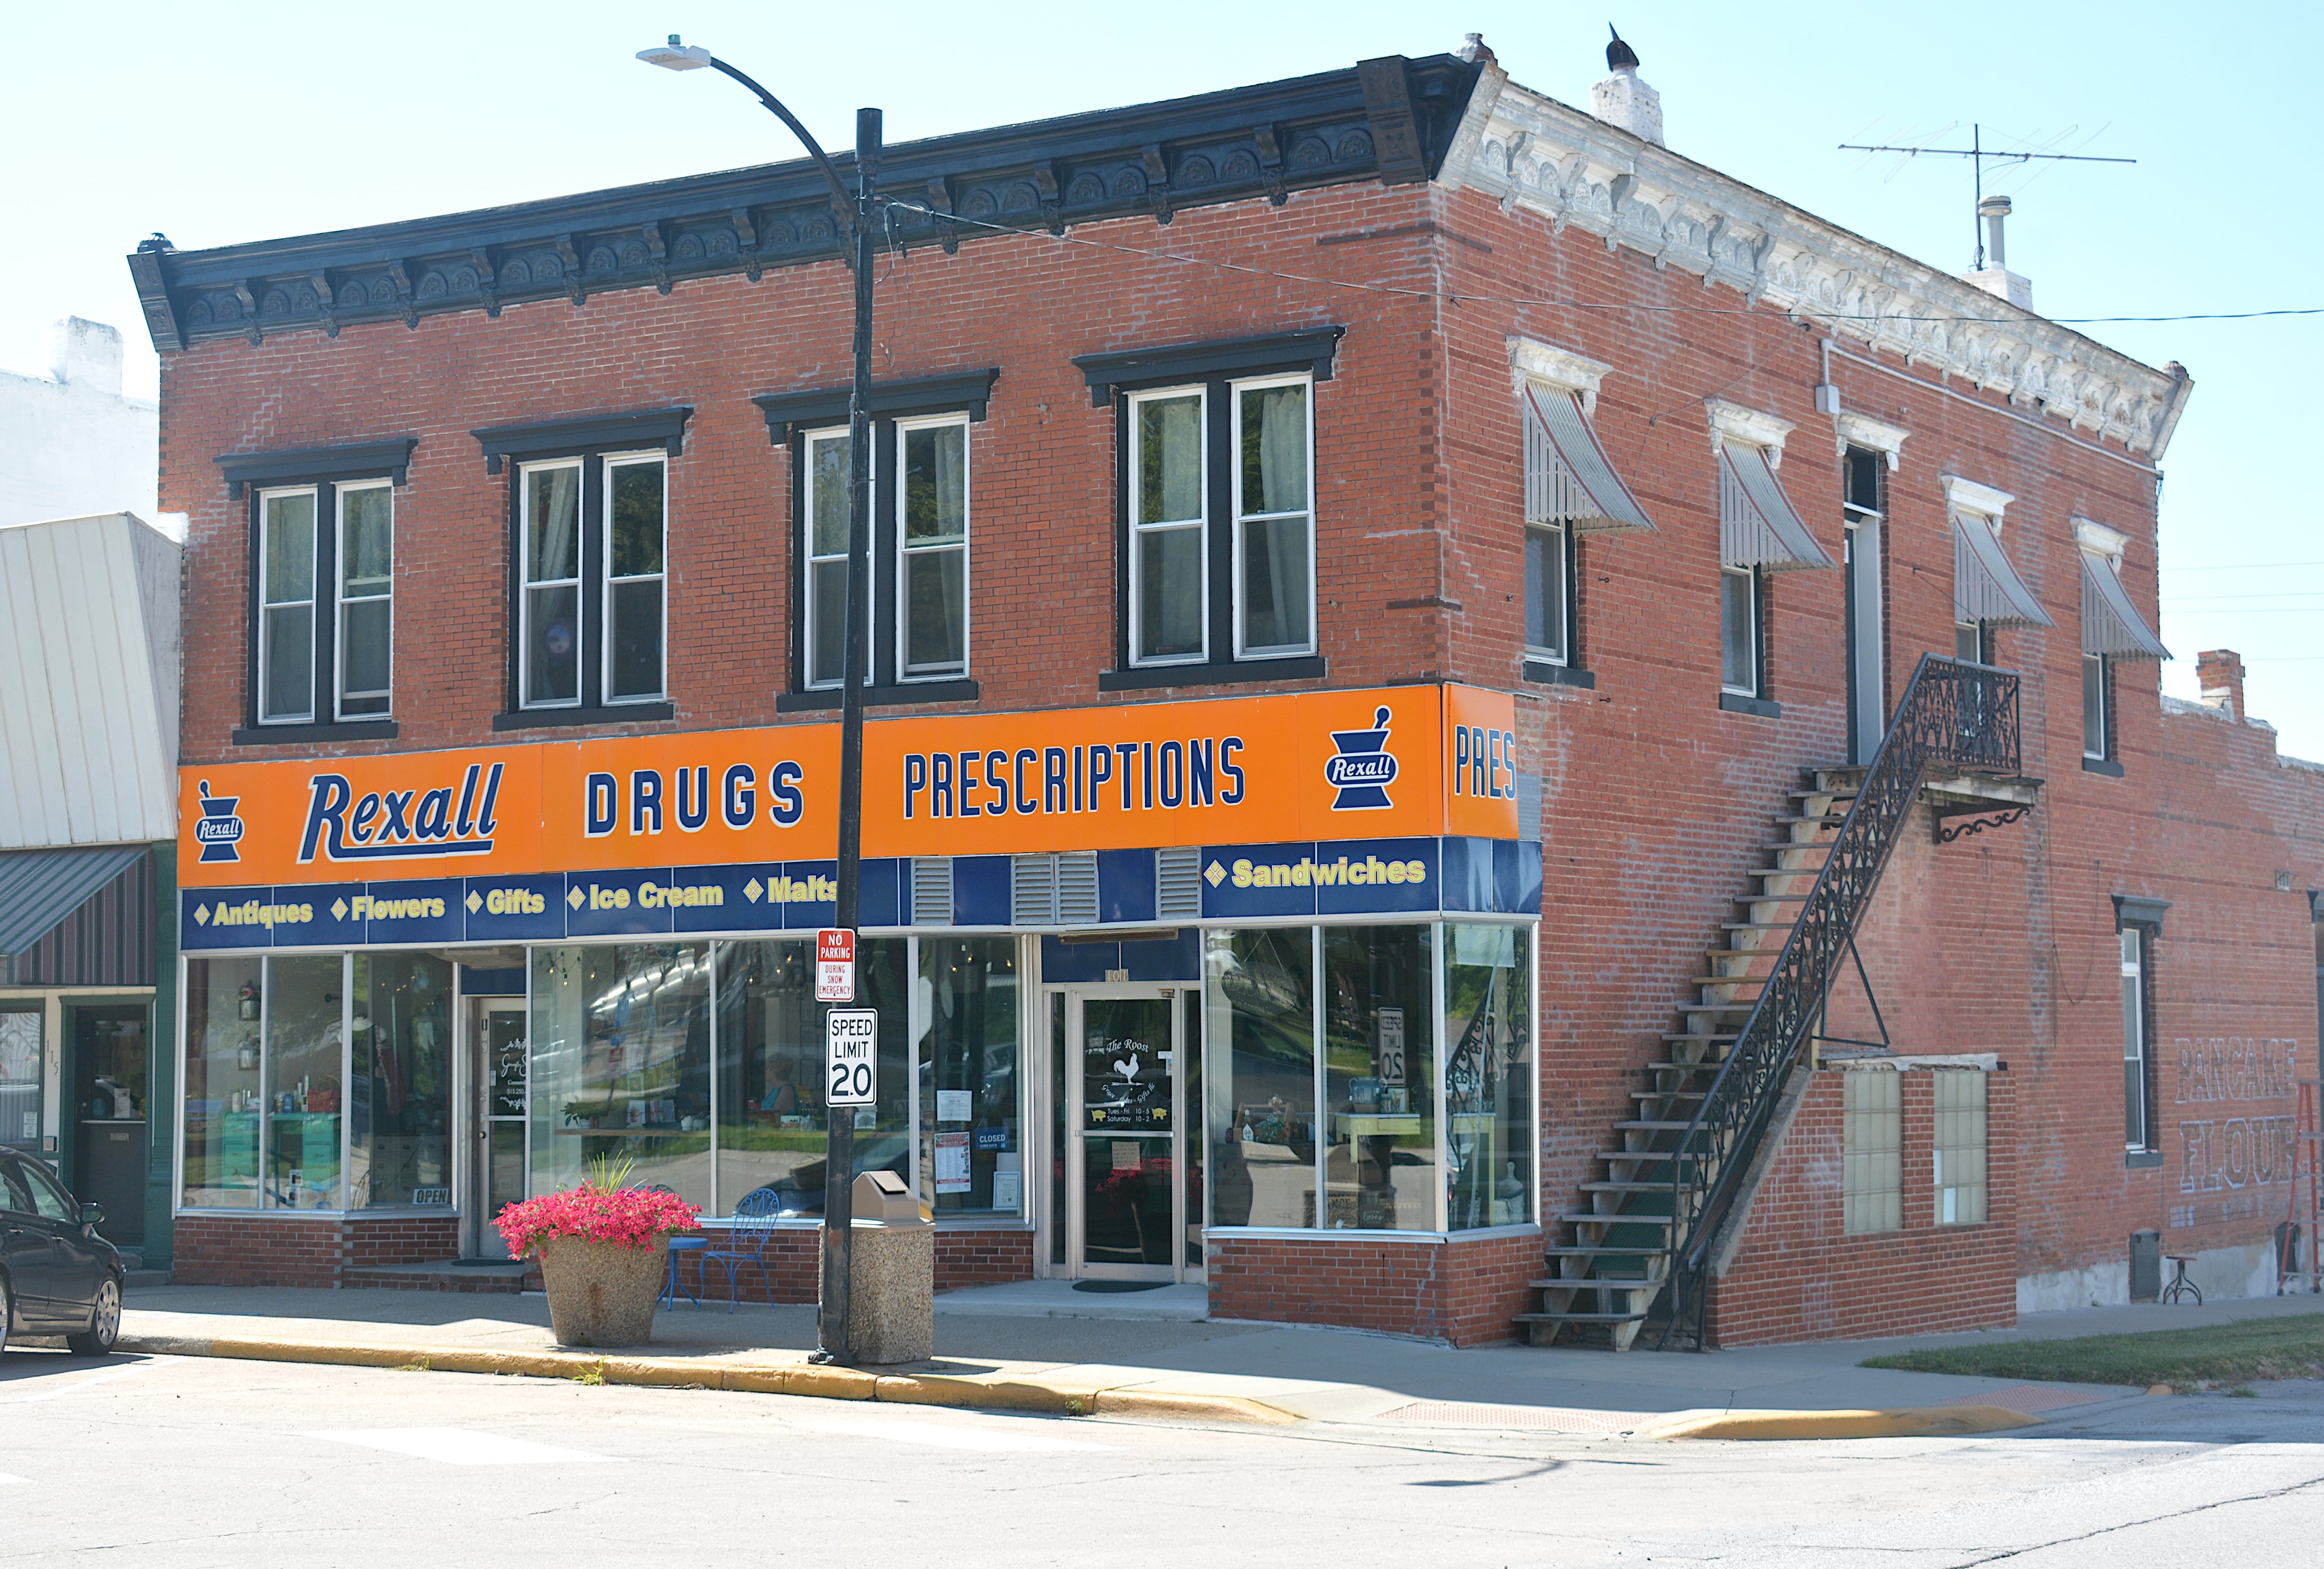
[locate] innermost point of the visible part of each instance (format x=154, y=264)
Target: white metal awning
x=1986, y=587
x=1568, y=475
x=2111, y=624
x=1758, y=524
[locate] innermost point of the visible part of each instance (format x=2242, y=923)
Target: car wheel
x=104, y=1324
x=8, y=1311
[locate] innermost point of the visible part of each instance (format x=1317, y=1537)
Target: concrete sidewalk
x=1000, y=1345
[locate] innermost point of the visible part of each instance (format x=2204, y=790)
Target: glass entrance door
x=500, y=1060
x=1125, y=1179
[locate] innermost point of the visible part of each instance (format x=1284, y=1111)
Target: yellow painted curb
x=805, y=1380
x=1906, y=1422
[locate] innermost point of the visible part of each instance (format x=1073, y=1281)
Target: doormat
x=1120, y=1285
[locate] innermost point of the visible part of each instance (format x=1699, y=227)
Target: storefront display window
x=1259, y=999
x=305, y=1053
x=772, y=1128
x=1378, y=1084
x=621, y=1065
x=224, y=1007
x=1489, y=1075
x=398, y=1110
x=972, y=1136
x=20, y=1076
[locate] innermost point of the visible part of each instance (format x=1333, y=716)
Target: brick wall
x=286, y=1250
x=1792, y=1272
x=1467, y=1291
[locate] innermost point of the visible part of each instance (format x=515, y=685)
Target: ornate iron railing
x=1953, y=714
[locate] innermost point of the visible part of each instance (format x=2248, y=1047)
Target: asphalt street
x=194, y=1462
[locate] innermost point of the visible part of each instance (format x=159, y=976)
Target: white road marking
x=53, y=1390
x=984, y=1439
x=458, y=1447
x=6, y=1479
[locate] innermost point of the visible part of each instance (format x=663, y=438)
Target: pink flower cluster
x=626, y=1217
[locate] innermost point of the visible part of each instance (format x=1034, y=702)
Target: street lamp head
x=676, y=56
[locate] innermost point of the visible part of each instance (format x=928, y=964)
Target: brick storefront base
x=294, y=1250
x=1796, y=1274
x=1465, y=1290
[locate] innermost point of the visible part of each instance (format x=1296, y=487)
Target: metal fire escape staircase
x=1678, y=1163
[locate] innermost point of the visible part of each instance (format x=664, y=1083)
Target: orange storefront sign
x=1392, y=762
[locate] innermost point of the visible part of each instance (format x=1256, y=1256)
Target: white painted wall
x=71, y=445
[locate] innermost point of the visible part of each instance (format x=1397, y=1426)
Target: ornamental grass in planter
x=604, y=1249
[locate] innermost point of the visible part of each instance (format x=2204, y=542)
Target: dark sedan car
x=56, y=1274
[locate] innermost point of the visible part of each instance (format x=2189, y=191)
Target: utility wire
x=1457, y=296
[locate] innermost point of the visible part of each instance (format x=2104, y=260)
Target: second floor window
x=594, y=596
x=1268, y=535
x=928, y=493
x=326, y=602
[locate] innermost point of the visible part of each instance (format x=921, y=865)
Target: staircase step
x=1758, y=926
x=1836, y=792
x=1581, y=1250
x=1834, y=818
x=1598, y=1283
x=1668, y=1094
x=1728, y=980
x=1662, y=1221
x=1581, y=1318
x=1797, y=844
x=1714, y=1040
x=1740, y=1005
x=1650, y=1127
x=1609, y=1185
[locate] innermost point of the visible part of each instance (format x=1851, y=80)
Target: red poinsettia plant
x=600, y=1208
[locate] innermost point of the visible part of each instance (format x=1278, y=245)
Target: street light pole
x=857, y=206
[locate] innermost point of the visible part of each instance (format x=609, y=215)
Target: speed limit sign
x=853, y=1038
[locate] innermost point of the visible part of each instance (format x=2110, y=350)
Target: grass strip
x=2256, y=1348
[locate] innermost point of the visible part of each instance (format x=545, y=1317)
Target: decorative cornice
x=1966, y=495
x=1734, y=422
x=1874, y=435
x=970, y=394
x=1390, y=119
x=1312, y=351
x=316, y=465
x=2099, y=540
x=1530, y=359
x=662, y=428
x=1534, y=152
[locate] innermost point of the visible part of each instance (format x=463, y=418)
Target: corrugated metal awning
x=40, y=888
x=1568, y=475
x=1986, y=587
x=2111, y=624
x=1758, y=524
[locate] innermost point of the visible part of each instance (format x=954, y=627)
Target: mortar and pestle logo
x=1363, y=768
x=220, y=830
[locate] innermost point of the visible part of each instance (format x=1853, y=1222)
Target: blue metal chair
x=671, y=1284
x=746, y=1240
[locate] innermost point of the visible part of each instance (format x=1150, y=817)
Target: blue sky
x=228, y=122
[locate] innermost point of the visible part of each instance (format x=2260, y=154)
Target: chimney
x=2221, y=673
x=1994, y=275
x=1474, y=50
x=85, y=353
x=1623, y=99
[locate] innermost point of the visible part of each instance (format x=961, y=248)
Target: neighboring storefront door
x=1125, y=1130
x=500, y=1069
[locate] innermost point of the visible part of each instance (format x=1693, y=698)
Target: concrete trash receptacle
x=891, y=1309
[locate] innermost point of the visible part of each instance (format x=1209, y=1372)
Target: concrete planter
x=601, y=1294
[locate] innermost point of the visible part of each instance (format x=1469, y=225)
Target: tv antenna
x=1978, y=153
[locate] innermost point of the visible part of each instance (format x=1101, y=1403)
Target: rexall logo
x=220, y=830
x=1363, y=768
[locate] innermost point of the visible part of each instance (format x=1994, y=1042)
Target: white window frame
x=610, y=461
x=1235, y=390
x=525, y=584
x=1200, y=523
x=905, y=549
x=1756, y=657
x=808, y=440
x=2137, y=1036
x=265, y=541
x=1560, y=533
x=340, y=599
x=1951, y=1190
x=2105, y=708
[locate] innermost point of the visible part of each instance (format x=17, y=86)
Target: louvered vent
x=1077, y=888
x=1178, y=884
x=1033, y=891
x=932, y=890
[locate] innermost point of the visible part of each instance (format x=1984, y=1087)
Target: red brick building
x=1224, y=448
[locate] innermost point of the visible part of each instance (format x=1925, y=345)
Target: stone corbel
x=656, y=255
x=327, y=303
x=1531, y=360
x=940, y=205
x=1863, y=430
x=746, y=241
x=577, y=289
x=1270, y=164
x=488, y=281
x=247, y=298
x=400, y=274
x=1044, y=180
x=1157, y=181
x=1734, y=422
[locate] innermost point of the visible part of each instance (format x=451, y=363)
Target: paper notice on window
x=956, y=1105
x=1004, y=1189
x=952, y=1163
x=1126, y=1156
